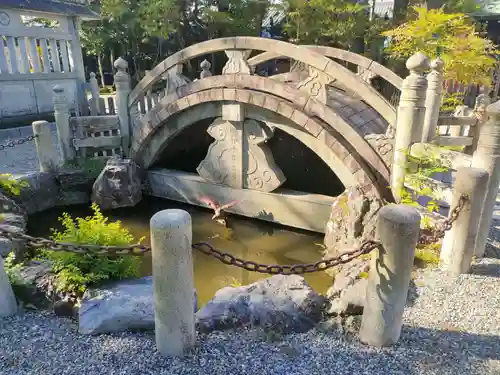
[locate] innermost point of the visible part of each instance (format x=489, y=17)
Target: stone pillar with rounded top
x=47, y=158
x=122, y=84
x=64, y=131
x=480, y=112
x=173, y=282
x=410, y=118
x=459, y=242
x=433, y=100
x=94, y=90
x=389, y=276
x=205, y=69
x=8, y=304
x=487, y=157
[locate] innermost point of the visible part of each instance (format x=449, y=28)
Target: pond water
x=248, y=239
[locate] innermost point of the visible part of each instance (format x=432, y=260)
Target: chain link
x=426, y=237
x=17, y=142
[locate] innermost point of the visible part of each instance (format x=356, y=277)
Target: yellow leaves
x=468, y=58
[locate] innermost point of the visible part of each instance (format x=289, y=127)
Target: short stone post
x=459, y=242
x=8, y=304
x=64, y=132
x=44, y=149
x=173, y=283
x=94, y=90
x=480, y=112
x=411, y=111
x=487, y=156
x=122, y=84
x=389, y=276
x=433, y=100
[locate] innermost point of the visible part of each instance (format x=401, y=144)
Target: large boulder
x=118, y=185
x=120, y=306
x=352, y=220
x=75, y=186
x=282, y=303
x=39, y=193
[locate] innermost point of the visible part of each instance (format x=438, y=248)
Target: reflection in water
x=248, y=239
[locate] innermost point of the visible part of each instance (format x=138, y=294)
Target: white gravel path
x=451, y=327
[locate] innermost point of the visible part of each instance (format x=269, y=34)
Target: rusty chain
x=426, y=237
x=17, y=142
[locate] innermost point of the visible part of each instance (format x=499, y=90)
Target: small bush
x=11, y=186
x=90, y=166
x=427, y=255
x=75, y=272
x=13, y=270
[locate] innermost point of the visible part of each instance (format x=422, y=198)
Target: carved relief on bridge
x=174, y=79
x=316, y=84
x=239, y=158
x=237, y=62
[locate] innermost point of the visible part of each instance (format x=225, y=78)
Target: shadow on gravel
x=492, y=270
x=442, y=351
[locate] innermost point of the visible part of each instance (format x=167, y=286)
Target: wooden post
x=433, y=100
x=398, y=229
x=122, y=83
x=410, y=119
x=64, y=132
x=487, y=156
x=173, y=281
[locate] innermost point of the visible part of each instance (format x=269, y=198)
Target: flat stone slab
x=282, y=303
x=126, y=305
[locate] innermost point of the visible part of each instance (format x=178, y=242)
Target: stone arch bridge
x=335, y=112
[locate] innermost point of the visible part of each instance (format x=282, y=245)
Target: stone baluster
x=433, y=100
x=205, y=69
x=44, y=149
x=457, y=250
x=398, y=229
x=64, y=132
x=122, y=83
x=487, y=156
x=410, y=119
x=482, y=102
x=8, y=304
x=174, y=79
x=173, y=283
x=94, y=90
x=237, y=62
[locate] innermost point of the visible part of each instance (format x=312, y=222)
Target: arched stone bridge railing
x=301, y=110
x=367, y=68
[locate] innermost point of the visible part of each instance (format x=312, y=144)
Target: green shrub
x=91, y=166
x=75, y=272
x=10, y=185
x=13, y=270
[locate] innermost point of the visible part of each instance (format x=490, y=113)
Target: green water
x=249, y=239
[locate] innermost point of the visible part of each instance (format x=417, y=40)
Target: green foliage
x=91, y=166
x=427, y=255
x=10, y=185
x=75, y=272
x=467, y=57
x=451, y=101
x=13, y=270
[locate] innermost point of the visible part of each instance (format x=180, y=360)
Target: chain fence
x=16, y=142
x=426, y=237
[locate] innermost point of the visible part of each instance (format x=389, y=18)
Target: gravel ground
x=450, y=327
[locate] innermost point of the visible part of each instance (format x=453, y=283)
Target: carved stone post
x=410, y=119
x=64, y=132
x=122, y=83
x=173, y=281
x=205, y=69
x=433, y=100
x=44, y=148
x=459, y=242
x=482, y=103
x=389, y=277
x=487, y=156
x=94, y=90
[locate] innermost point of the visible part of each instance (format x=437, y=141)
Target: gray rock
x=120, y=306
x=7, y=245
x=352, y=220
x=351, y=300
x=41, y=193
x=118, y=185
x=283, y=303
x=39, y=284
